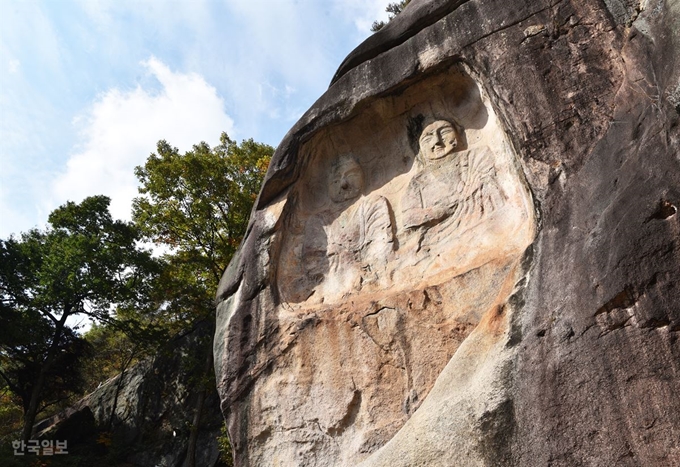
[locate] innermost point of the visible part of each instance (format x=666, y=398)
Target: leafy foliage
x=198, y=205
x=84, y=263
x=224, y=445
x=11, y=415
x=23, y=359
x=392, y=9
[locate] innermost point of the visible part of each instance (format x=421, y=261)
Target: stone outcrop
x=466, y=252
x=153, y=406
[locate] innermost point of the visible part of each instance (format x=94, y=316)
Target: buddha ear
x=420, y=158
x=458, y=130
x=461, y=141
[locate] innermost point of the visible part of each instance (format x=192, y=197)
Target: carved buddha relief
x=404, y=230
x=345, y=252
x=453, y=186
x=452, y=209
x=455, y=190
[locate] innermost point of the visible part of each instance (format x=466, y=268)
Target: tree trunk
x=32, y=411
x=195, y=424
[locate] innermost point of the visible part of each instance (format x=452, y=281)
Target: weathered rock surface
x=153, y=411
x=466, y=252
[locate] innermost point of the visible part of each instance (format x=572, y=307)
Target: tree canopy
x=198, y=204
x=83, y=263
x=195, y=206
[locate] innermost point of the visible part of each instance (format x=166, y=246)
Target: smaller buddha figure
x=347, y=246
x=346, y=180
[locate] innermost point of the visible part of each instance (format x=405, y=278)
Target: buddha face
x=438, y=140
x=346, y=180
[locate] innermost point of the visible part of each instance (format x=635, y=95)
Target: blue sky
x=88, y=87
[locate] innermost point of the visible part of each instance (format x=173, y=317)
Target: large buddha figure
x=452, y=209
x=454, y=187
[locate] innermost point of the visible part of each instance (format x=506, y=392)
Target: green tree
x=198, y=205
x=26, y=339
x=392, y=9
x=83, y=263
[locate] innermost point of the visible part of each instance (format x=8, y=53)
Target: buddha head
x=346, y=180
x=438, y=140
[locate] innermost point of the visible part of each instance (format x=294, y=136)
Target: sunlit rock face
x=465, y=253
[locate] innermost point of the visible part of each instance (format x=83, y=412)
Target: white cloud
x=269, y=60
x=122, y=128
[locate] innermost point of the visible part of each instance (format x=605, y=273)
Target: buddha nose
x=344, y=184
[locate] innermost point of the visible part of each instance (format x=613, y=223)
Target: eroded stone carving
x=454, y=190
x=403, y=233
x=499, y=351
x=354, y=243
x=459, y=186
x=343, y=252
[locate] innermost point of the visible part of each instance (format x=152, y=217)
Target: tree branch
x=13, y=387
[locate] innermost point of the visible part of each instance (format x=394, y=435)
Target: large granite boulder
x=466, y=252
x=153, y=404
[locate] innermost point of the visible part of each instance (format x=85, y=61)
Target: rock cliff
x=466, y=253
x=153, y=408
